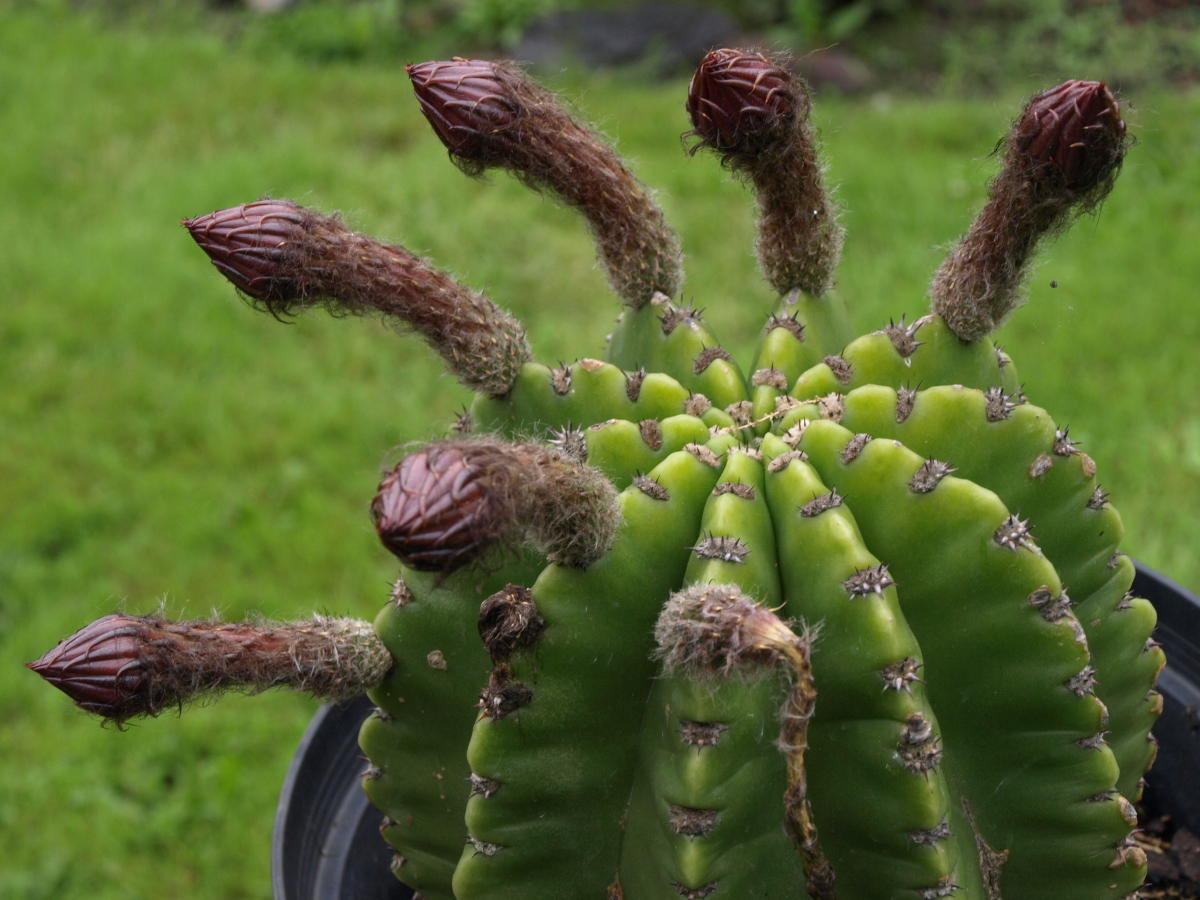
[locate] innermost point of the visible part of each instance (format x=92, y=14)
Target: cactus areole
x=850, y=622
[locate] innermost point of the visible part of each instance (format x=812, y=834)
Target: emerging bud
x=444, y=505
x=491, y=115
x=754, y=112
x=123, y=666
x=250, y=245
x=1062, y=157
x=738, y=100
x=711, y=631
x=287, y=258
x=465, y=102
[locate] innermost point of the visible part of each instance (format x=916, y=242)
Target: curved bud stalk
x=123, y=666
x=755, y=113
x=715, y=631
x=1061, y=159
x=491, y=115
x=287, y=258
x=445, y=504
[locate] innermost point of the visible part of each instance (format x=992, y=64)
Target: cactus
x=670, y=628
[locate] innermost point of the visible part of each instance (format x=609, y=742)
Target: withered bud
x=714, y=630
x=755, y=112
x=286, y=258
x=122, y=666
x=492, y=115
x=465, y=101
x=447, y=503
x=251, y=245
x=1061, y=158
x=737, y=100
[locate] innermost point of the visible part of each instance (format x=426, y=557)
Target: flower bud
x=433, y=511
x=736, y=99
x=1077, y=127
x=250, y=245
x=100, y=667
x=464, y=101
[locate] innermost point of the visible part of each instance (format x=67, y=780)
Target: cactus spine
x=855, y=624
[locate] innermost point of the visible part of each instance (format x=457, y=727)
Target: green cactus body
x=594, y=691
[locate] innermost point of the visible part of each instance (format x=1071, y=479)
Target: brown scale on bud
x=674, y=316
x=509, y=621
x=1099, y=499
x=122, y=666
x=571, y=441
x=700, y=893
x=755, y=113
x=1000, y=405
x=709, y=632
x=447, y=503
x=783, y=460
x=491, y=115
x=1052, y=606
x=286, y=258
x=919, y=747
x=697, y=405
x=931, y=836
x=560, y=379
x=1061, y=158
x=906, y=398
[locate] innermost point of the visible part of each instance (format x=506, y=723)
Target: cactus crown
x=605, y=552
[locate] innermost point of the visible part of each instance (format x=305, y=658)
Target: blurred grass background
x=163, y=444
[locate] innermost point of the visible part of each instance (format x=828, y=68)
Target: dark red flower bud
x=250, y=245
x=738, y=98
x=101, y=667
x=1077, y=127
x=464, y=100
x=433, y=511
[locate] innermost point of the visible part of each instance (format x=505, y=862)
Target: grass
x=164, y=444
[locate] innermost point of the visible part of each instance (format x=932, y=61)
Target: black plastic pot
x=327, y=843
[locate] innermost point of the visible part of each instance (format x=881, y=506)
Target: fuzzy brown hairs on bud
x=444, y=505
x=286, y=258
x=123, y=666
x=1061, y=158
x=713, y=631
x=752, y=110
x=492, y=115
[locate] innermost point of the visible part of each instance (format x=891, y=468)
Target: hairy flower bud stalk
x=122, y=666
x=714, y=631
x=445, y=504
x=491, y=115
x=1061, y=159
x=755, y=113
x=287, y=258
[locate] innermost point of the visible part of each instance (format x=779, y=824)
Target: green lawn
x=162, y=443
